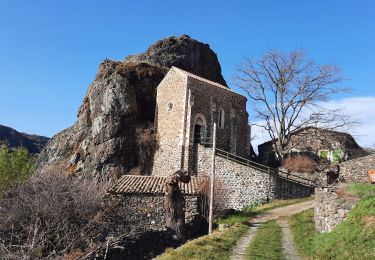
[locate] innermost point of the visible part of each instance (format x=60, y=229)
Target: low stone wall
x=290, y=190
x=146, y=212
x=332, y=206
x=244, y=185
x=356, y=170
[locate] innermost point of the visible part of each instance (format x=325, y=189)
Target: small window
x=169, y=106
x=221, y=118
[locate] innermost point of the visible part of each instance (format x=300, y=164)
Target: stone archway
x=200, y=128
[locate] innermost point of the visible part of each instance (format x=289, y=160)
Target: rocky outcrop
x=101, y=143
x=13, y=139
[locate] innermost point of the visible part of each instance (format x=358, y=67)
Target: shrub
x=299, y=164
x=49, y=215
x=15, y=166
x=219, y=196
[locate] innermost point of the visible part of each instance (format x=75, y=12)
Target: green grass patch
x=352, y=239
x=215, y=246
x=303, y=229
x=267, y=243
x=355, y=237
x=362, y=190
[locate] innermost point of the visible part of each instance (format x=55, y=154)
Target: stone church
x=187, y=107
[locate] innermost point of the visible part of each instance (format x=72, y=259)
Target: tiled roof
x=212, y=83
x=128, y=184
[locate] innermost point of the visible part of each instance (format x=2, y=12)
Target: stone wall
x=146, y=212
x=244, y=185
x=171, y=107
x=356, y=170
x=332, y=206
x=286, y=189
x=208, y=101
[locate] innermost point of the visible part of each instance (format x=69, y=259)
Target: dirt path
x=290, y=251
x=240, y=250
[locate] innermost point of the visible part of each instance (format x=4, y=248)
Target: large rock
x=102, y=141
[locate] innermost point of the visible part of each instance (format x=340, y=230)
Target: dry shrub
x=147, y=144
x=49, y=216
x=300, y=164
x=219, y=196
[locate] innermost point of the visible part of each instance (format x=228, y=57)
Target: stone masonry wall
x=208, y=100
x=290, y=190
x=356, y=170
x=170, y=99
x=331, y=208
x=146, y=212
x=243, y=185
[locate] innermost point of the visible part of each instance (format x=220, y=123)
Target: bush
x=299, y=164
x=49, y=215
x=15, y=166
x=219, y=197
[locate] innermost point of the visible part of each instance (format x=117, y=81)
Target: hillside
x=33, y=143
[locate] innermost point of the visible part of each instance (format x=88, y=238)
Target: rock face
x=11, y=137
x=101, y=144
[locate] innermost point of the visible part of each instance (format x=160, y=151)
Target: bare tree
x=287, y=91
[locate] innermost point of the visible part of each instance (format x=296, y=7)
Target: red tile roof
x=133, y=184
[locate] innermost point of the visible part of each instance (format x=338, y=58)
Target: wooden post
x=211, y=213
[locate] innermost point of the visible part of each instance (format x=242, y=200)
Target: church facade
x=187, y=108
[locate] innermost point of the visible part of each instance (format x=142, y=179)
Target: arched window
x=221, y=118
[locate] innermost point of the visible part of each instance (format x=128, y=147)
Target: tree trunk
x=174, y=204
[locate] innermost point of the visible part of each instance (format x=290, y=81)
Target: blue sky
x=50, y=50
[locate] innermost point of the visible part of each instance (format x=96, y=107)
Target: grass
x=219, y=244
x=267, y=242
x=352, y=239
x=303, y=229
x=215, y=246
x=355, y=237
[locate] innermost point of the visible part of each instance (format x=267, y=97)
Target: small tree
x=15, y=166
x=287, y=91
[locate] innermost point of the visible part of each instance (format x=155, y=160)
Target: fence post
x=211, y=213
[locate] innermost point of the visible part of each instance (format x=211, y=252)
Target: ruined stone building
x=187, y=107
x=315, y=142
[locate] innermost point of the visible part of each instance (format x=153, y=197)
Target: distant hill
x=33, y=143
